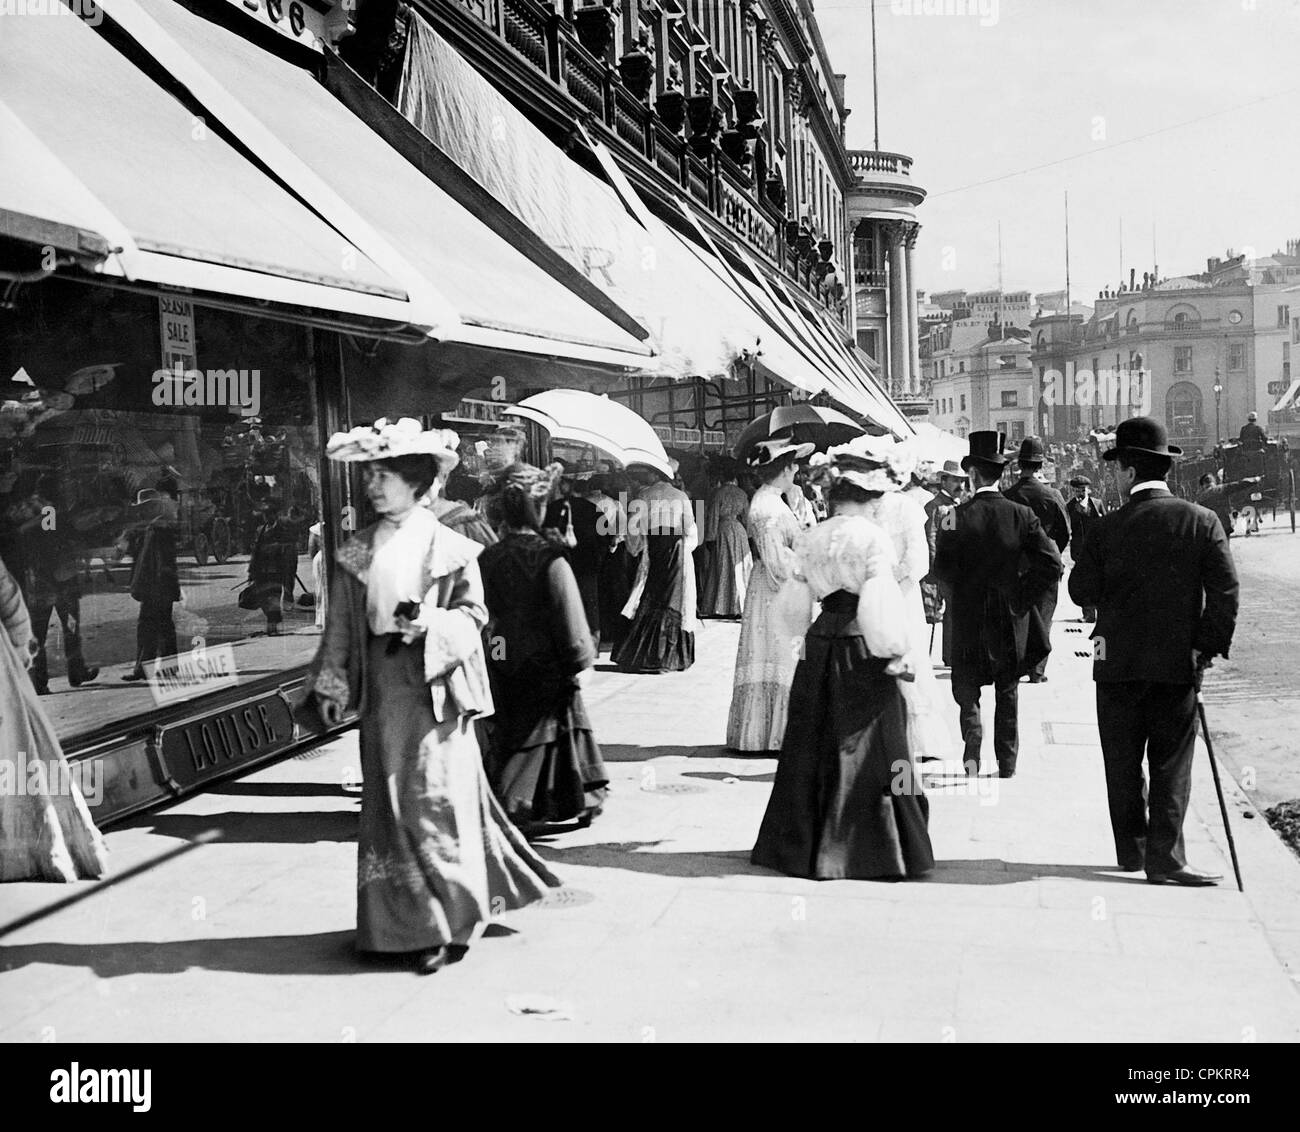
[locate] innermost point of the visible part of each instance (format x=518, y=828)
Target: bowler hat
x=1031, y=451
x=1142, y=434
x=985, y=448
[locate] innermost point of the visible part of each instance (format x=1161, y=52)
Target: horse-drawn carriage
x=1269, y=460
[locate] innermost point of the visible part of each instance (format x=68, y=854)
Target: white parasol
x=584, y=418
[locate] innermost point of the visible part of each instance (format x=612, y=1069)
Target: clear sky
x=1031, y=82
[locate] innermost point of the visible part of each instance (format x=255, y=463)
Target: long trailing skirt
x=46, y=831
x=546, y=764
x=847, y=801
x=436, y=854
x=727, y=575
x=656, y=641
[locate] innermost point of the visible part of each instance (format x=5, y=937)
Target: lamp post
x=1218, y=396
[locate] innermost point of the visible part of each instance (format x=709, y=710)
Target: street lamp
x=1218, y=396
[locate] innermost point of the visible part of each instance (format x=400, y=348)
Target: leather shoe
x=1006, y=772
x=85, y=676
x=1134, y=866
x=1187, y=877
x=431, y=960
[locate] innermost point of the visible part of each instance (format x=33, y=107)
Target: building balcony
x=884, y=184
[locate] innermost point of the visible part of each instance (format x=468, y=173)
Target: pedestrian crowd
x=457, y=632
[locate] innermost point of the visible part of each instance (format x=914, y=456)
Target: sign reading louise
x=316, y=23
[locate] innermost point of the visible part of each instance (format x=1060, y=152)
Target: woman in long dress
x=662, y=608
x=436, y=855
x=730, y=560
x=883, y=477
x=46, y=831
x=545, y=764
x=777, y=608
x=847, y=800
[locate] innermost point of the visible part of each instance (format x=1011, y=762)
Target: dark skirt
x=617, y=571
x=545, y=763
x=847, y=801
x=656, y=641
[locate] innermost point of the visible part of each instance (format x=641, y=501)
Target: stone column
x=913, y=323
x=898, y=335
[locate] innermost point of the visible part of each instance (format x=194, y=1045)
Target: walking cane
x=1218, y=786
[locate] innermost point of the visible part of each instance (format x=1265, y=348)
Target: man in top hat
x=1159, y=571
x=1045, y=502
x=1251, y=431
x=1083, y=511
x=997, y=562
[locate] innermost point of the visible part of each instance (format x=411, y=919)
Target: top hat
x=1031, y=451
x=952, y=468
x=1142, y=434
x=985, y=448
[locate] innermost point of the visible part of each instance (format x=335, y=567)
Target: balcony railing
x=542, y=35
x=877, y=161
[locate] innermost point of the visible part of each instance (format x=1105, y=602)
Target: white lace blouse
x=851, y=553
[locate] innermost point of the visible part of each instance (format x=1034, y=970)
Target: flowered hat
x=865, y=462
x=767, y=452
x=385, y=439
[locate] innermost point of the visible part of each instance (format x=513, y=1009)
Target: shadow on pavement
x=626, y=855
x=627, y=753
x=324, y=953
x=723, y=776
x=993, y=870
x=292, y=827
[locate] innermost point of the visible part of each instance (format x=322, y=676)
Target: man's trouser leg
x=1047, y=611
x=1122, y=726
x=40, y=614
x=1006, y=724
x=967, y=695
x=1171, y=743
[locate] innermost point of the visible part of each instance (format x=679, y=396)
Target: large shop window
x=155, y=520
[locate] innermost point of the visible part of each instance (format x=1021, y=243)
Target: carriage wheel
x=220, y=539
x=202, y=548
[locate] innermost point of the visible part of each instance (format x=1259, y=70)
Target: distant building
x=986, y=384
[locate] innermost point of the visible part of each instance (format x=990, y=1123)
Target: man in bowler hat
x=950, y=491
x=1045, y=502
x=996, y=561
x=1159, y=571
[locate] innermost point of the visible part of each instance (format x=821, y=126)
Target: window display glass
x=159, y=497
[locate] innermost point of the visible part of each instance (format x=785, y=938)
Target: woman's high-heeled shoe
x=430, y=960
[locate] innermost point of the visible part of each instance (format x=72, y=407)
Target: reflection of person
x=275, y=554
x=316, y=551
x=545, y=763
x=437, y=857
x=847, y=800
x=1161, y=576
x=662, y=607
x=53, y=585
x=996, y=560
x=48, y=833
x=155, y=581
x=778, y=607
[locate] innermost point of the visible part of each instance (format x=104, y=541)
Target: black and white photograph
x=651, y=522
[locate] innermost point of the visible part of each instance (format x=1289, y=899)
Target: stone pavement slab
x=664, y=931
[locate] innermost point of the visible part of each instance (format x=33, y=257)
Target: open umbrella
x=803, y=424
x=584, y=418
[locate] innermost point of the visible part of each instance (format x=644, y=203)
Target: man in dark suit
x=1083, y=512
x=953, y=484
x=1045, y=502
x=1161, y=576
x=996, y=561
x=1251, y=433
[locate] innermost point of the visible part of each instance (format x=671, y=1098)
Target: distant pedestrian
x=455, y=513
x=155, y=580
x=437, y=857
x=1218, y=498
x=1083, y=512
x=996, y=562
x=1161, y=576
x=730, y=562
x=1251, y=431
x=953, y=483
x=1045, y=502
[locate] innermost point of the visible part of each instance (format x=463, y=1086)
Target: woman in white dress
x=778, y=608
x=883, y=477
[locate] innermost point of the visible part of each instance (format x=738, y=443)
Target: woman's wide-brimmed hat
x=1142, y=434
x=386, y=439
x=765, y=452
x=863, y=462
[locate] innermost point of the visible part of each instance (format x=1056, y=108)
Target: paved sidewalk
x=665, y=932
